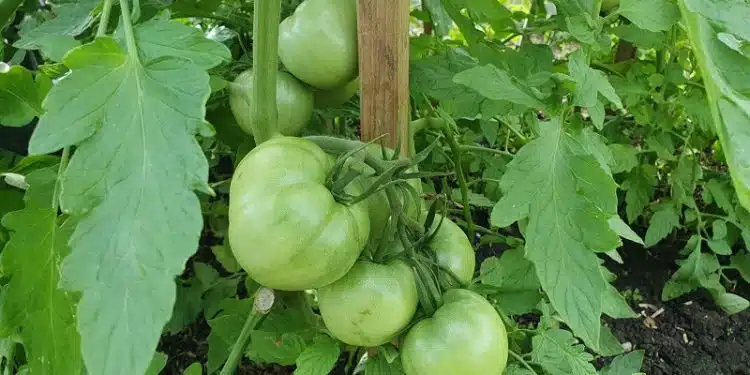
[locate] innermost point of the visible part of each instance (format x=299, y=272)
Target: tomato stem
x=266, y=18
x=104, y=18
x=127, y=25
x=262, y=303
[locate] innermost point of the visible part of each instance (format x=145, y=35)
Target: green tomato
x=371, y=304
x=337, y=96
x=285, y=228
x=294, y=102
x=318, y=43
x=453, y=251
x=608, y=5
x=464, y=336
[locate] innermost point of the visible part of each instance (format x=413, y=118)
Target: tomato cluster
x=318, y=47
x=290, y=232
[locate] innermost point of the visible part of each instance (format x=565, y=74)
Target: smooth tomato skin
x=453, y=251
x=464, y=336
x=285, y=228
x=318, y=43
x=294, y=102
x=371, y=304
x=336, y=97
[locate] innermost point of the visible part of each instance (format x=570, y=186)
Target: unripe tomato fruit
x=464, y=336
x=285, y=228
x=318, y=43
x=337, y=96
x=454, y=252
x=371, y=304
x=294, y=102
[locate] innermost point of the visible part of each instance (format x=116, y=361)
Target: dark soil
x=692, y=336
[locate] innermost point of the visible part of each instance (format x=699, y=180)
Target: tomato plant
x=466, y=334
x=180, y=185
x=293, y=100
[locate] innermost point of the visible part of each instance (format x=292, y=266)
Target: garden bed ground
x=690, y=337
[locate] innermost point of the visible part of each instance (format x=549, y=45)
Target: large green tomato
x=371, y=304
x=318, y=43
x=285, y=228
x=454, y=252
x=294, y=102
x=464, y=336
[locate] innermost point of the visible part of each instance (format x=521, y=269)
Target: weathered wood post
x=384, y=70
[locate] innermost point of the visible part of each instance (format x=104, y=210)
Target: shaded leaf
x=626, y=364
x=140, y=217
x=568, y=199
x=662, y=223
x=496, y=84
x=654, y=15
x=559, y=353
x=18, y=93
x=32, y=303
x=731, y=303
x=318, y=358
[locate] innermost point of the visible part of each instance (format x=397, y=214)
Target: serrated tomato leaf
x=19, y=95
x=726, y=80
x=319, y=357
x=33, y=305
x=568, y=199
x=140, y=219
x=654, y=15
x=559, y=353
x=626, y=364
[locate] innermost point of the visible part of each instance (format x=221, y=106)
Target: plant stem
x=60, y=170
x=263, y=111
x=262, y=304
x=455, y=149
x=522, y=361
x=104, y=18
x=484, y=149
x=127, y=25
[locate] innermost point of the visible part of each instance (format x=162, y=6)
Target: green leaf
x=684, y=180
x=722, y=194
x=379, y=365
x=510, y=272
x=663, y=145
x=719, y=246
x=741, y=262
x=662, y=223
x=19, y=95
x=194, y=369
x=32, y=303
x=589, y=82
x=187, y=307
x=608, y=343
x=731, y=303
x=433, y=76
x=597, y=114
x=224, y=255
x=584, y=28
x=626, y=157
x=318, y=358
x=225, y=329
x=654, y=15
x=281, y=338
x=159, y=37
x=623, y=229
x=441, y=21
x=559, y=353
x=140, y=218
x=55, y=37
x=496, y=84
x=727, y=81
x=626, y=364
x=615, y=306
x=641, y=38
x=693, y=272
x=639, y=187
x=158, y=362
x=568, y=199
x=516, y=369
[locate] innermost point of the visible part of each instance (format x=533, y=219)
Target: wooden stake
x=384, y=70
